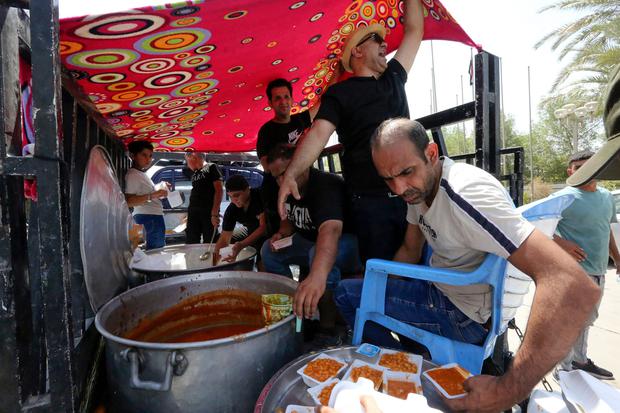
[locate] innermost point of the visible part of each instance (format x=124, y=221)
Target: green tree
x=591, y=42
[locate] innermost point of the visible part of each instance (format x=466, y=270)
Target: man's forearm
x=217, y=200
x=326, y=250
x=563, y=301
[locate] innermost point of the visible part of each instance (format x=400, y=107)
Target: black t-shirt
x=203, y=191
x=247, y=218
x=324, y=198
x=273, y=133
x=357, y=106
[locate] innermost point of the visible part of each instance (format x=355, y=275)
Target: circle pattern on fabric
x=128, y=96
x=194, y=61
x=120, y=86
x=177, y=142
x=107, y=78
x=193, y=88
x=148, y=101
x=168, y=79
x=103, y=58
x=171, y=113
x=67, y=47
x=236, y=15
x=173, y=41
x=119, y=27
x=185, y=11
x=108, y=107
x=187, y=21
x=172, y=104
x=154, y=65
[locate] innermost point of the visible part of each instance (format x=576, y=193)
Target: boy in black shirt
x=246, y=208
x=320, y=240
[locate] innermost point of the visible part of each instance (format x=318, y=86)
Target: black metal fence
x=48, y=343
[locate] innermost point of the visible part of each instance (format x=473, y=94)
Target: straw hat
x=355, y=38
x=605, y=164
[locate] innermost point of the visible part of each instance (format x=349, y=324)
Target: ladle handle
x=173, y=361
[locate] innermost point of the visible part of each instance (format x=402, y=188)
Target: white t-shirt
x=138, y=183
x=471, y=215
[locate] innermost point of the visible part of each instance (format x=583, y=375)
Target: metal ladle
x=207, y=254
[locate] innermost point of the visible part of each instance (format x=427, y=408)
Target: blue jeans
x=302, y=253
x=380, y=223
x=416, y=302
x=154, y=228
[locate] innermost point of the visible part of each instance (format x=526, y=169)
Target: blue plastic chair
x=492, y=271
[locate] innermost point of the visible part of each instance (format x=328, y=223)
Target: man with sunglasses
x=354, y=108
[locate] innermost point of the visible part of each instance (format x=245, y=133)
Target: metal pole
x=529, y=100
x=463, y=123
x=433, y=79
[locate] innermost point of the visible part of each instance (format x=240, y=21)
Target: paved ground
x=604, y=340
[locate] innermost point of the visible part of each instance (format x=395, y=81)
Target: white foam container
x=295, y=408
x=360, y=363
x=311, y=382
x=401, y=376
x=346, y=398
x=316, y=390
x=413, y=358
x=441, y=389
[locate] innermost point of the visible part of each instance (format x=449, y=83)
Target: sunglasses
x=374, y=36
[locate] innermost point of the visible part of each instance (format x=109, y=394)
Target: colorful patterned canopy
x=192, y=75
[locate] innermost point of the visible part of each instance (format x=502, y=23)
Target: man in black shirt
x=283, y=128
x=354, y=108
x=316, y=221
x=246, y=208
x=203, y=213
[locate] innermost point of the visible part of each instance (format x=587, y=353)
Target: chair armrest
x=491, y=265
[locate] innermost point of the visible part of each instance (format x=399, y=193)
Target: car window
x=617, y=201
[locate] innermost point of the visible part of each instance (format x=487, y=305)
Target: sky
x=506, y=28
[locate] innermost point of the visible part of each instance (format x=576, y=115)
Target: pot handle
x=175, y=361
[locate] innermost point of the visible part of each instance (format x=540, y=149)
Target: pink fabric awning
x=192, y=75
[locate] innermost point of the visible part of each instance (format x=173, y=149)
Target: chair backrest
x=545, y=215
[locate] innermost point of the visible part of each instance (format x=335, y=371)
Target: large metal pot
x=223, y=375
x=174, y=260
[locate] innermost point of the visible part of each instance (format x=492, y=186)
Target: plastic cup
x=276, y=307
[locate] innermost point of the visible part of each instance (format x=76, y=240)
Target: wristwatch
x=149, y=197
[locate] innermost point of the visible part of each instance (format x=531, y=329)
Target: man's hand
x=215, y=220
x=275, y=237
x=573, y=249
x=236, y=249
x=162, y=193
x=485, y=394
x=307, y=296
x=288, y=186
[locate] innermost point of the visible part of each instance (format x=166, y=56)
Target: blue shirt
x=586, y=223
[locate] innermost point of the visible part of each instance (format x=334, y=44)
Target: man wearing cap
x=605, y=164
x=584, y=232
x=354, y=108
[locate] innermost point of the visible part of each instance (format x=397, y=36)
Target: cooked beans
x=375, y=376
x=398, y=362
x=322, y=369
x=325, y=394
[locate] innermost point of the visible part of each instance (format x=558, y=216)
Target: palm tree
x=591, y=43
